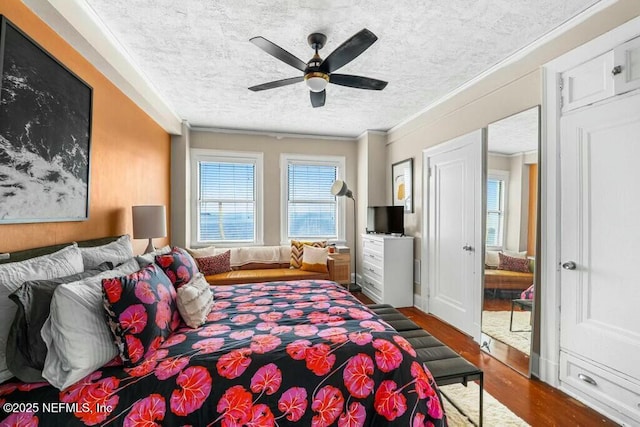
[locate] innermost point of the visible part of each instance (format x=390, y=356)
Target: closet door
x=600, y=209
x=453, y=176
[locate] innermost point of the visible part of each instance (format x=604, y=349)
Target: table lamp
x=149, y=222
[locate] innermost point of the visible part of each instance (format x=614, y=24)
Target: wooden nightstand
x=340, y=268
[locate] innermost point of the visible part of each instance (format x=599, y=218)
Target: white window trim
x=200, y=154
x=338, y=161
x=502, y=175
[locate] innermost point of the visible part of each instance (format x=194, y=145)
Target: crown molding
x=276, y=135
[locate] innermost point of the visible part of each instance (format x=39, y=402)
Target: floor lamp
x=340, y=189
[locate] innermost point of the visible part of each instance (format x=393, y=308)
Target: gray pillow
x=116, y=252
x=26, y=350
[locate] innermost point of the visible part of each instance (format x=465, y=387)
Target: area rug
x=496, y=325
x=466, y=399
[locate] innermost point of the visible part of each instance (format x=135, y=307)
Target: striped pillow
x=297, y=251
x=195, y=300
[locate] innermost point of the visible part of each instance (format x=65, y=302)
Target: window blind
x=495, y=212
x=311, y=208
x=227, y=208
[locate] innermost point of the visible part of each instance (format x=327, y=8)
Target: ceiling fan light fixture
x=316, y=81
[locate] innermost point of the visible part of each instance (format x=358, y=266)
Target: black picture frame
x=45, y=134
x=402, y=184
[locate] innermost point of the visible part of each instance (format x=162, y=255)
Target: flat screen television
x=385, y=219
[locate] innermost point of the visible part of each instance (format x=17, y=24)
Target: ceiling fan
x=317, y=72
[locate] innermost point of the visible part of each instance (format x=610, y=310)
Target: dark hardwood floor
x=532, y=400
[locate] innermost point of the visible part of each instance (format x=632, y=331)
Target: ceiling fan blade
x=277, y=83
x=357, y=81
x=348, y=51
x=318, y=98
x=278, y=52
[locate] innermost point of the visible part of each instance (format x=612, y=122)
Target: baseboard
x=417, y=301
x=549, y=372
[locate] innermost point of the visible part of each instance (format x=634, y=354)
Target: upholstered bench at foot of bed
x=446, y=366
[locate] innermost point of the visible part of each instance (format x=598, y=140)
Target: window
x=496, y=202
x=309, y=210
x=227, y=190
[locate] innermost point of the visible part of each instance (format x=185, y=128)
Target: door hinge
x=561, y=85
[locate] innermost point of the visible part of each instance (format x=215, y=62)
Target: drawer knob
x=587, y=379
x=616, y=70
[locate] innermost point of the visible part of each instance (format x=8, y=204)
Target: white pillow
x=76, y=333
x=514, y=254
x=65, y=262
x=116, y=252
x=202, y=252
x=149, y=258
x=315, y=259
x=194, y=301
x=492, y=259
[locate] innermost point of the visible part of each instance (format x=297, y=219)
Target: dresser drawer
x=372, y=286
x=373, y=270
x=372, y=257
x=371, y=245
x=602, y=386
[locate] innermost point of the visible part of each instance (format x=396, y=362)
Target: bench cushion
x=263, y=275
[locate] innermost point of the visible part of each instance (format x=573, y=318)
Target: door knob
x=569, y=265
x=467, y=248
x=616, y=70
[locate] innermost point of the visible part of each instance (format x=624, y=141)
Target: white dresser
x=387, y=269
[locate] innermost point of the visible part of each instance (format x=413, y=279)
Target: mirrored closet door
x=508, y=309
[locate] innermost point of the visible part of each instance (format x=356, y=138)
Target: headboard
x=35, y=252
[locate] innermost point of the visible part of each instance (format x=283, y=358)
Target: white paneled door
x=600, y=205
x=453, y=222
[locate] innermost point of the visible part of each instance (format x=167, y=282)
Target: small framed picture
x=402, y=184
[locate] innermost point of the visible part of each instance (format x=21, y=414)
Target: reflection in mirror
x=510, y=246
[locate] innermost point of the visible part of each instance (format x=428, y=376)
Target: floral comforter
x=271, y=354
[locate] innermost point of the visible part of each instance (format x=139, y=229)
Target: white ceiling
x=196, y=54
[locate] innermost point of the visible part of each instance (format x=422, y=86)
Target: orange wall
x=130, y=153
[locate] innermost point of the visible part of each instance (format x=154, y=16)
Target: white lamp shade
x=149, y=221
x=340, y=188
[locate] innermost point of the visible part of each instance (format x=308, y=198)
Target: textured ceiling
x=198, y=56
x=515, y=134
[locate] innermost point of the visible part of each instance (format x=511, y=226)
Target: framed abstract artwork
x=402, y=184
x=45, y=134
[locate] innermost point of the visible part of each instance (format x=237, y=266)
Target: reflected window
x=496, y=203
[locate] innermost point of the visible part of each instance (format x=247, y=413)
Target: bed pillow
x=141, y=312
x=117, y=252
x=194, y=301
x=202, y=252
x=26, y=351
x=513, y=264
x=65, y=262
x=149, y=258
x=77, y=337
x=178, y=265
x=315, y=259
x=215, y=264
x=297, y=251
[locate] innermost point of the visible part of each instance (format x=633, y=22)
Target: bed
x=278, y=353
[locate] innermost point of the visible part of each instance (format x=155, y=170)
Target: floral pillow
x=527, y=293
x=178, y=265
x=215, y=264
x=141, y=312
x=513, y=264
